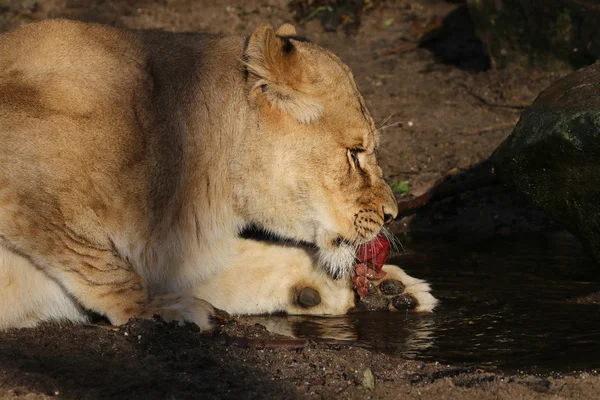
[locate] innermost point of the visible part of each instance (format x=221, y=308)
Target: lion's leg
x=87, y=268
x=97, y=279
x=28, y=296
x=266, y=278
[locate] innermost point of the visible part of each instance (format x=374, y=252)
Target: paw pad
x=404, y=302
x=308, y=297
x=391, y=287
x=388, y=295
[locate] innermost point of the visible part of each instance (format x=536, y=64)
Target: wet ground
x=514, y=321
x=509, y=303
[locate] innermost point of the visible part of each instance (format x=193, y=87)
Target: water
x=506, y=302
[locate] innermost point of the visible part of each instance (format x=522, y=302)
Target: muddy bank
x=152, y=360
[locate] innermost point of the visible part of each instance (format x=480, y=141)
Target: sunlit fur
x=131, y=160
x=278, y=271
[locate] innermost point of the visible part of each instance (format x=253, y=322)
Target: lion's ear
x=286, y=30
x=276, y=72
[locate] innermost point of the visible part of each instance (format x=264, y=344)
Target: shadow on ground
x=143, y=359
x=455, y=42
x=471, y=202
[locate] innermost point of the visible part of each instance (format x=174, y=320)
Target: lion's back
x=67, y=66
x=68, y=117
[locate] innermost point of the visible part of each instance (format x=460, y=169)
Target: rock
x=552, y=156
x=541, y=32
x=368, y=381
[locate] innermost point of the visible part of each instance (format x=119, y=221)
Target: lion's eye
x=353, y=157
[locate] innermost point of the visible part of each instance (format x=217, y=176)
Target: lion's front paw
x=398, y=291
x=184, y=308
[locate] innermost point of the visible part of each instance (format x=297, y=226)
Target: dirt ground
x=153, y=360
x=443, y=114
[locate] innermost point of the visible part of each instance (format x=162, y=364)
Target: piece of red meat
x=371, y=258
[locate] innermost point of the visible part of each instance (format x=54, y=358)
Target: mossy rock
x=553, y=154
x=545, y=33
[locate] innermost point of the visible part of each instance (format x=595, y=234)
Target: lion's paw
x=185, y=308
x=397, y=291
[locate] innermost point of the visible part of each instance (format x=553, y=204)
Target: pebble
x=368, y=379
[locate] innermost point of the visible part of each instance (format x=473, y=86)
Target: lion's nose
x=387, y=218
x=390, y=207
x=390, y=213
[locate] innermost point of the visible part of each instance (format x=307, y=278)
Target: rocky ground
x=425, y=78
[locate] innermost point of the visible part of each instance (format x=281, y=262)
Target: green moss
x=401, y=187
x=553, y=157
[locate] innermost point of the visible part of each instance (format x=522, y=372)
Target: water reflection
x=506, y=302
x=408, y=333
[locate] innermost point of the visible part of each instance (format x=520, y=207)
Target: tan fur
x=131, y=160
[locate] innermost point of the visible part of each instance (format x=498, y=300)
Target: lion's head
x=310, y=171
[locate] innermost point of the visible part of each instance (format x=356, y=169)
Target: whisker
x=392, y=125
x=352, y=242
x=394, y=241
x=355, y=246
x=385, y=120
x=348, y=251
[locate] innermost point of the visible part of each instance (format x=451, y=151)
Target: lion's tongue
x=374, y=253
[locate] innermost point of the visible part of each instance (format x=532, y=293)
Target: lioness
x=130, y=161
